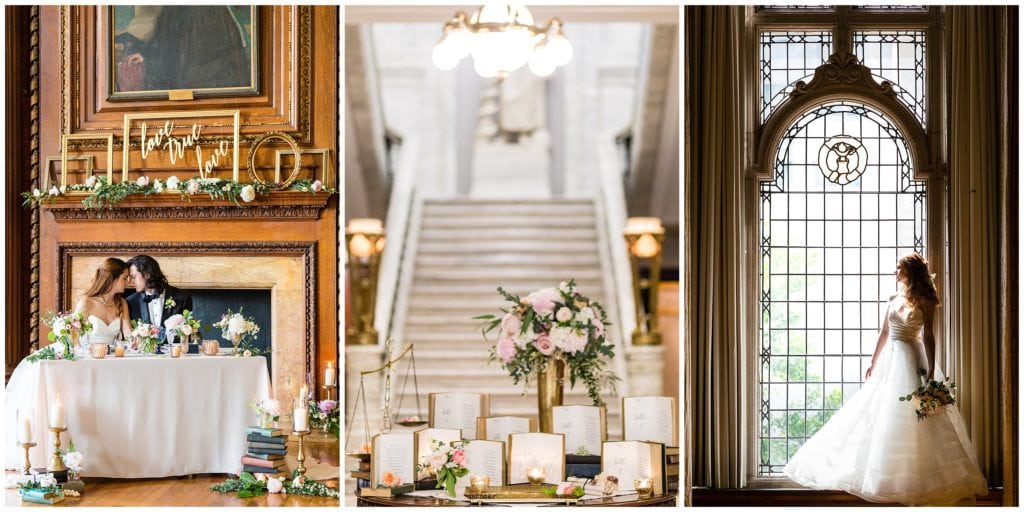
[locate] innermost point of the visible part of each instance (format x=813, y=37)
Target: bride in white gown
x=103, y=304
x=874, y=446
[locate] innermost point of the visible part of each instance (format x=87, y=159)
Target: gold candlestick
x=56, y=464
x=301, y=457
x=28, y=463
x=329, y=388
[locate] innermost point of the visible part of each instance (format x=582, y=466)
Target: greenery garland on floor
x=105, y=195
x=248, y=486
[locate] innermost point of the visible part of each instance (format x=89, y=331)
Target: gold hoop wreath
x=251, y=160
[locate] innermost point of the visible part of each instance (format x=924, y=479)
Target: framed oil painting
x=182, y=52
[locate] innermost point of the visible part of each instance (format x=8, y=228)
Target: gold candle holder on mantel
x=301, y=470
x=330, y=388
x=28, y=463
x=56, y=464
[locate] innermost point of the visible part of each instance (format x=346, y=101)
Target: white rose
x=558, y=336
x=437, y=459
x=58, y=325
x=274, y=486
x=236, y=324
x=193, y=187
x=186, y=330
x=47, y=480
x=91, y=182
x=172, y=183
x=158, y=185
x=142, y=181
x=248, y=193
x=53, y=191
x=37, y=193
x=563, y=314
x=74, y=460
x=585, y=315
x=271, y=407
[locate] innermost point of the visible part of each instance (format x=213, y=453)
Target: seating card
x=458, y=410
x=392, y=452
x=498, y=428
x=423, y=439
x=650, y=418
x=585, y=427
x=483, y=458
x=536, y=450
x=629, y=460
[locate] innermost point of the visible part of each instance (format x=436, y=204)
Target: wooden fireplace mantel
x=169, y=205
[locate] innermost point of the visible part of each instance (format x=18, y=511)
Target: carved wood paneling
x=279, y=205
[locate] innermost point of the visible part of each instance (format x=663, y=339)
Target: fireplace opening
x=211, y=303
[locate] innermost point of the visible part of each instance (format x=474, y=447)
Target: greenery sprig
x=248, y=486
x=47, y=353
x=104, y=195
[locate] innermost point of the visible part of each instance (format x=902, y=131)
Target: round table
x=629, y=500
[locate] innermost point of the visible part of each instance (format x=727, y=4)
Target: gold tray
x=516, y=494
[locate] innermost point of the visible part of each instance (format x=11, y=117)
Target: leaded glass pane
x=899, y=57
x=828, y=251
x=786, y=58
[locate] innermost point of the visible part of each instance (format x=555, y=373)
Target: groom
x=154, y=301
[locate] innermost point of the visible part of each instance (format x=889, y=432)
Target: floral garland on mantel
x=106, y=195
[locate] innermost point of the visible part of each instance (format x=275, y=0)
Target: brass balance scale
x=387, y=420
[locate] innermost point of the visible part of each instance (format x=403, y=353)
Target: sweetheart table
x=141, y=416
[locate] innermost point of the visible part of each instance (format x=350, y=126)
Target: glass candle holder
x=175, y=350
x=98, y=350
x=478, y=482
x=119, y=349
x=535, y=475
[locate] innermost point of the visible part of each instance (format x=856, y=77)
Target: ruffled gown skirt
x=875, y=447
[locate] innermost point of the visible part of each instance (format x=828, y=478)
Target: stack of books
x=265, y=450
x=672, y=468
x=40, y=496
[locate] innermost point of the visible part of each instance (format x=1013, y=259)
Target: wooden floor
x=172, y=492
x=802, y=498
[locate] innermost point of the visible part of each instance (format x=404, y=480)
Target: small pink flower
x=599, y=326
x=511, y=324
x=317, y=186
x=459, y=457
x=544, y=344
x=575, y=341
x=193, y=187
x=506, y=349
x=543, y=300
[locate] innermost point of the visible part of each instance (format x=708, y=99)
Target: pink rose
x=511, y=324
x=459, y=457
x=506, y=349
x=317, y=186
x=575, y=341
x=544, y=344
x=543, y=300
x=599, y=326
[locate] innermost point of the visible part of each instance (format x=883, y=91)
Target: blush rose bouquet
x=553, y=324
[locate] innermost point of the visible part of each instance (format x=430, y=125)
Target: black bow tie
x=149, y=298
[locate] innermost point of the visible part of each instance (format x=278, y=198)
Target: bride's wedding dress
x=874, y=446
x=101, y=331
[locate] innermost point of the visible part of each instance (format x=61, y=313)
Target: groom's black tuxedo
x=138, y=308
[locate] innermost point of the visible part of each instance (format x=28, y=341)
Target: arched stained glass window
x=840, y=209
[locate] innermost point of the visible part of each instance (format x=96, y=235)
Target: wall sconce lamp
x=644, y=236
x=365, y=239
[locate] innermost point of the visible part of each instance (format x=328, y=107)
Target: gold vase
x=550, y=381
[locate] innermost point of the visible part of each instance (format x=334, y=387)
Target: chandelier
x=502, y=37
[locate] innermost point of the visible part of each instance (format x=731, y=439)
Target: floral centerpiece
x=447, y=462
x=74, y=460
x=65, y=331
x=269, y=411
x=146, y=336
x=931, y=397
x=548, y=326
x=240, y=330
x=325, y=415
x=173, y=325
x=190, y=326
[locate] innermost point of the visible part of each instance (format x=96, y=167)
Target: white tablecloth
x=141, y=417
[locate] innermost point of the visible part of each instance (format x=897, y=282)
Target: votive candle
x=119, y=350
x=535, y=475
x=175, y=351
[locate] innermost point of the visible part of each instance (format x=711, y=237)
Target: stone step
x=553, y=237
x=488, y=222
x=509, y=259
x=506, y=278
x=511, y=208
x=484, y=290
x=485, y=245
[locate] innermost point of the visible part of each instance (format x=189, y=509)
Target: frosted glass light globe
x=561, y=50
x=541, y=63
x=485, y=68
x=444, y=56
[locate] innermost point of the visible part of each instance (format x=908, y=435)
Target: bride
x=103, y=304
x=874, y=446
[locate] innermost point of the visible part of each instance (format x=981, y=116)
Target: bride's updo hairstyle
x=920, y=281
x=108, y=272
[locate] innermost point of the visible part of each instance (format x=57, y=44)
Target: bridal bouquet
x=931, y=397
x=146, y=335
x=448, y=462
x=553, y=324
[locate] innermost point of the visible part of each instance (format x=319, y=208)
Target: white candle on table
x=329, y=374
x=25, y=430
x=304, y=392
x=300, y=418
x=57, y=414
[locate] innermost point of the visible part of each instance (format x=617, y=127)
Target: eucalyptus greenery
x=47, y=353
x=104, y=195
x=248, y=486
